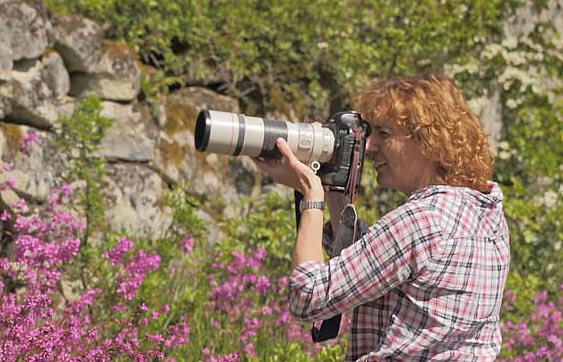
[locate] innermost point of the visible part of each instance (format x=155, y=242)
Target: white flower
x=504, y=155
x=551, y=199
x=516, y=58
x=511, y=103
x=530, y=237
x=491, y=51
x=510, y=42
x=472, y=68
x=544, y=181
x=462, y=11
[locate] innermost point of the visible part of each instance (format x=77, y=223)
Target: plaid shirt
x=425, y=282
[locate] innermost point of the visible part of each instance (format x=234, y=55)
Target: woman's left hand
x=289, y=171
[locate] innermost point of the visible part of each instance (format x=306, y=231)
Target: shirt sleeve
x=388, y=254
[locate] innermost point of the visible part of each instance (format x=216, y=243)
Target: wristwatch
x=304, y=205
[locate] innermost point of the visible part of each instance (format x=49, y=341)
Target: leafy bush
x=310, y=55
x=79, y=139
x=531, y=170
x=268, y=224
x=522, y=70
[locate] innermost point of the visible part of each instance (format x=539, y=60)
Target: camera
x=334, y=149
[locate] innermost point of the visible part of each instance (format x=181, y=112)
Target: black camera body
x=350, y=133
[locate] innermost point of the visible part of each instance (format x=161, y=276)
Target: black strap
x=344, y=237
x=298, y=197
x=330, y=327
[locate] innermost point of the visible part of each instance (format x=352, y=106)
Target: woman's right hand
x=291, y=172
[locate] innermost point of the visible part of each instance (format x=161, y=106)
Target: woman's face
x=398, y=159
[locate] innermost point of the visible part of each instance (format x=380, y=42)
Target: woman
x=425, y=282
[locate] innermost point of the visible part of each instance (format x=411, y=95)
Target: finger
x=285, y=150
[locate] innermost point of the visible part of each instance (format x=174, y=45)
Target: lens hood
x=202, y=130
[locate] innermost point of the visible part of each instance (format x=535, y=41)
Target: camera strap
x=355, y=168
x=346, y=234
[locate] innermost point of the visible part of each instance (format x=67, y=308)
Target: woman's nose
x=370, y=144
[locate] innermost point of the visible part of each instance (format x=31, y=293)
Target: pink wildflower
x=157, y=338
x=249, y=350
x=115, y=255
x=187, y=245
x=27, y=142
x=5, y=215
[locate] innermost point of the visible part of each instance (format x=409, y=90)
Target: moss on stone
x=48, y=52
x=172, y=153
x=180, y=117
x=13, y=134
x=117, y=49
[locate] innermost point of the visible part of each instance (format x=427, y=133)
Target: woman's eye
x=383, y=134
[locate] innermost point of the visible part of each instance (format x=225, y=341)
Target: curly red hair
x=434, y=112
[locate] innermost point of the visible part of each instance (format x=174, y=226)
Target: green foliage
x=184, y=214
x=331, y=353
x=178, y=260
x=206, y=286
x=79, y=139
x=287, y=352
x=518, y=299
x=372, y=202
x=153, y=85
x=267, y=224
x=530, y=169
x=181, y=280
x=523, y=70
x=313, y=53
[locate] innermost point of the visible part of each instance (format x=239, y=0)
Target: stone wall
x=48, y=62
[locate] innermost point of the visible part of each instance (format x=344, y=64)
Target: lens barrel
x=236, y=134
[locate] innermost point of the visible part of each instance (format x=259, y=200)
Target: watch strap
x=304, y=205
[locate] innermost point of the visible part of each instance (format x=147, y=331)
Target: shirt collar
x=494, y=195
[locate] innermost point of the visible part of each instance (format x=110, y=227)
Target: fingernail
x=279, y=141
